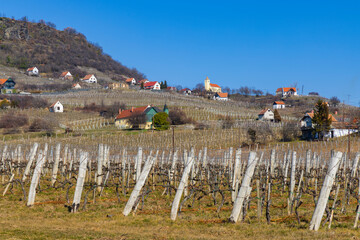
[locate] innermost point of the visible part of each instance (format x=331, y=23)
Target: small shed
x=278, y=105
x=266, y=115
x=76, y=86
x=56, y=107
x=221, y=96
x=33, y=71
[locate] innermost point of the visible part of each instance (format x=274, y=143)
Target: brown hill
x=24, y=44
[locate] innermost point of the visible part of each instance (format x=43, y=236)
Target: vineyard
x=120, y=189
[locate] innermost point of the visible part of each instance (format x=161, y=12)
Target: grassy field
x=49, y=218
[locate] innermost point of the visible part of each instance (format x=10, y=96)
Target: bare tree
x=137, y=119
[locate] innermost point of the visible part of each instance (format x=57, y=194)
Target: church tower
x=207, y=84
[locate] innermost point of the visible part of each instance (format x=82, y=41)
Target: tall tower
x=207, y=84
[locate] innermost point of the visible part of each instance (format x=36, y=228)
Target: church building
x=211, y=87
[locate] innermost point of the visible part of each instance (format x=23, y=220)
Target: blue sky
x=260, y=44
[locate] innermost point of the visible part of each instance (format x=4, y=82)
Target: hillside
x=24, y=44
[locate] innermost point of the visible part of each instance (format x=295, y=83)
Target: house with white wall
x=56, y=107
x=90, y=78
x=130, y=81
x=33, y=71
x=221, y=96
x=66, y=76
x=278, y=105
x=266, y=115
x=152, y=86
x=286, y=92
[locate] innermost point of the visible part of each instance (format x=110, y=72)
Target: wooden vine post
x=139, y=184
x=325, y=191
x=80, y=181
x=245, y=185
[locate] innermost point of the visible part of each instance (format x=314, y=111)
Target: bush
x=107, y=111
x=42, y=125
x=201, y=126
x=137, y=119
x=27, y=102
x=252, y=135
x=228, y=122
x=178, y=117
x=161, y=121
x=13, y=121
x=289, y=132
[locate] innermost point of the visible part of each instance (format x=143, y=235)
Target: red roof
x=129, y=80
x=279, y=102
x=286, y=89
x=185, y=89
x=52, y=105
x=311, y=115
x=223, y=95
x=143, y=81
x=263, y=111
x=149, y=84
x=87, y=77
x=2, y=81
x=64, y=74
x=214, y=85
x=128, y=113
x=30, y=69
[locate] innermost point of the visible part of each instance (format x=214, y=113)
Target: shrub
x=137, y=119
x=277, y=117
x=28, y=102
x=42, y=125
x=13, y=121
x=228, y=122
x=161, y=121
x=201, y=126
x=178, y=117
x=252, y=135
x=289, y=131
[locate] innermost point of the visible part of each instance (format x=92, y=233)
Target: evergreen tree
x=277, y=116
x=321, y=119
x=160, y=121
x=142, y=86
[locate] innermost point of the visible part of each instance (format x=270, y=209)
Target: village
x=141, y=117
x=179, y=120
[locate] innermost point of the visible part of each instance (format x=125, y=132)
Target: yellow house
x=148, y=112
x=118, y=85
x=211, y=87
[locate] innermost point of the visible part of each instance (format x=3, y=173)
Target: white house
x=266, y=115
x=152, y=85
x=33, y=71
x=76, y=86
x=337, y=129
x=221, y=96
x=186, y=91
x=131, y=81
x=142, y=81
x=66, y=76
x=90, y=78
x=278, y=105
x=56, y=107
x=286, y=91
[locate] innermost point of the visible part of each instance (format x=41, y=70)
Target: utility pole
x=173, y=138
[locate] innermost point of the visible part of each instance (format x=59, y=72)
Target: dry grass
x=104, y=220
